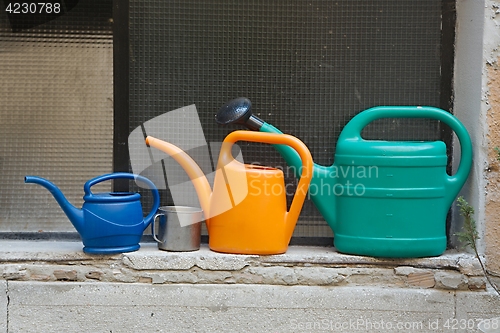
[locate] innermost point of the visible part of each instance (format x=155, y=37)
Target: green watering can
x=381, y=198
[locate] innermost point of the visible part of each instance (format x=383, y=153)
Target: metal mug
x=179, y=229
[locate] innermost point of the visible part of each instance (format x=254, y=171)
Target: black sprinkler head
x=238, y=111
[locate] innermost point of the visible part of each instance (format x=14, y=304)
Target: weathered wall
x=477, y=105
x=64, y=261
x=491, y=97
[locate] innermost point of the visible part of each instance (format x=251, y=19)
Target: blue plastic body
x=108, y=223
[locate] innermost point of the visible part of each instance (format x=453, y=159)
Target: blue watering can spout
x=74, y=214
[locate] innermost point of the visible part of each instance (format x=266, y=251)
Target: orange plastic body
x=247, y=211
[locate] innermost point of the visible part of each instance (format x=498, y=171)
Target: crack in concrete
x=7, y=294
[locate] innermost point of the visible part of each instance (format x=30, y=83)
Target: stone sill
x=300, y=265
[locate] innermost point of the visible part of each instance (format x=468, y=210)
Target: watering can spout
x=322, y=186
x=74, y=214
x=321, y=189
x=194, y=172
x=238, y=111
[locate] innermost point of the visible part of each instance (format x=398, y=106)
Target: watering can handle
x=352, y=132
x=272, y=138
x=125, y=175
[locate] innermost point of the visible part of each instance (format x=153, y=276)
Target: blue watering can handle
x=121, y=175
x=352, y=132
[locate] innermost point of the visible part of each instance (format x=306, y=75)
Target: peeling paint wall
x=477, y=105
x=491, y=100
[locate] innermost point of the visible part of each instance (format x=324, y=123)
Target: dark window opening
x=307, y=66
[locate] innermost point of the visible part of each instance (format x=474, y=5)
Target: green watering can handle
x=352, y=132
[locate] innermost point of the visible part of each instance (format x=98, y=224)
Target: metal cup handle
x=153, y=228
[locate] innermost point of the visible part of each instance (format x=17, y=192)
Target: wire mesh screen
x=307, y=66
x=56, y=110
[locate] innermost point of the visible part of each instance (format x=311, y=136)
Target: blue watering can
x=110, y=222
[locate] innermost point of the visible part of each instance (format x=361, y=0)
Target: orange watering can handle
x=272, y=138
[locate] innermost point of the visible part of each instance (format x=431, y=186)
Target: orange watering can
x=246, y=213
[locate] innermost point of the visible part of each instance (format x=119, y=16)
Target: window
x=307, y=66
x=56, y=110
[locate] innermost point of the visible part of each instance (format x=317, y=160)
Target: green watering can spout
x=323, y=183
x=238, y=111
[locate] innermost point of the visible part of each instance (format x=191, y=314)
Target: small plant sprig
x=497, y=150
x=469, y=235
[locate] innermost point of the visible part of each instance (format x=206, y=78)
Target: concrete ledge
x=315, y=266
x=308, y=289
x=149, y=257
x=118, y=307
x=212, y=308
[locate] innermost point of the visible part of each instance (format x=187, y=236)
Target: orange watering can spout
x=200, y=182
